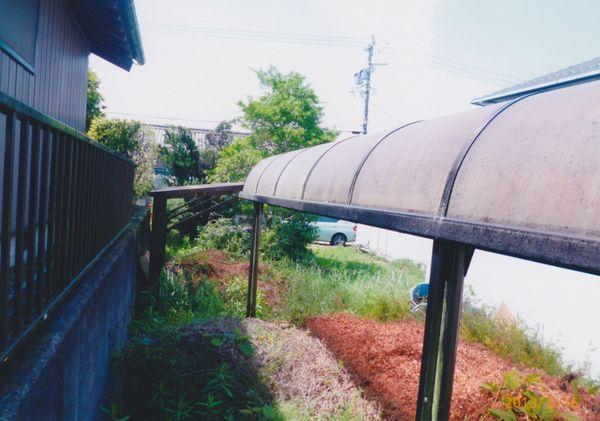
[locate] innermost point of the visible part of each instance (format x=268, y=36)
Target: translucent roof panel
x=537, y=165
x=520, y=178
x=403, y=184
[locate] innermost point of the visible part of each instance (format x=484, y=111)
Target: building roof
x=575, y=74
x=112, y=29
x=519, y=178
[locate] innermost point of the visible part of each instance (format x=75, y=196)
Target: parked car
x=336, y=232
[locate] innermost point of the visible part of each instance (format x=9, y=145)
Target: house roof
x=519, y=178
x=112, y=30
x=575, y=74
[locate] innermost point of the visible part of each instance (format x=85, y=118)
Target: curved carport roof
x=519, y=178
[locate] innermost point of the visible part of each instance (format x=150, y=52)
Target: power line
x=466, y=75
x=161, y=117
x=385, y=112
x=262, y=36
x=467, y=70
x=508, y=77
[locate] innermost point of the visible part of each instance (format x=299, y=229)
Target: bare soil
x=384, y=359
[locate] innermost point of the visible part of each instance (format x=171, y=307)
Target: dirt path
x=384, y=358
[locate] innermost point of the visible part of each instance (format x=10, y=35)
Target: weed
x=113, y=412
x=520, y=398
x=359, y=283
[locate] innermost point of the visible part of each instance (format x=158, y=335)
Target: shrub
x=130, y=139
x=225, y=234
x=289, y=237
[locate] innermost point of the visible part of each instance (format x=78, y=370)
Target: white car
x=336, y=232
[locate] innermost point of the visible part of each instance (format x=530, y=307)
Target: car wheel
x=338, y=239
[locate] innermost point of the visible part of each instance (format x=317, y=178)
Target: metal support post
x=449, y=265
x=253, y=268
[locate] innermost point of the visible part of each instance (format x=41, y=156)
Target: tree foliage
x=119, y=135
x=129, y=138
x=181, y=156
x=95, y=101
x=220, y=137
x=287, y=116
x=235, y=161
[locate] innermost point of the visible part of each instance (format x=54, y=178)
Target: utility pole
x=363, y=81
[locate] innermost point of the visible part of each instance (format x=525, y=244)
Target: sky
x=436, y=57
x=439, y=55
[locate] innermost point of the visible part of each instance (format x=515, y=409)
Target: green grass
x=515, y=342
x=345, y=279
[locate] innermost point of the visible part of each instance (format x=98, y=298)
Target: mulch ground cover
x=384, y=359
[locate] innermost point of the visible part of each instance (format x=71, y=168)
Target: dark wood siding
x=58, y=87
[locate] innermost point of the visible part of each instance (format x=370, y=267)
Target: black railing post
x=5, y=237
x=448, y=268
x=158, y=238
x=253, y=267
x=64, y=201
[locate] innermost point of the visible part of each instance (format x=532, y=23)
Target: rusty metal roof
x=520, y=178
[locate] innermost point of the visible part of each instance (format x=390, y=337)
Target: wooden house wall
x=58, y=85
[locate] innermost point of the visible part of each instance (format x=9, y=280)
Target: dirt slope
x=384, y=358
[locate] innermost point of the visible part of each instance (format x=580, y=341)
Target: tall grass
x=513, y=341
x=344, y=279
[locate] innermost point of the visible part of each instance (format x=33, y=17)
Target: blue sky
x=524, y=38
x=199, y=79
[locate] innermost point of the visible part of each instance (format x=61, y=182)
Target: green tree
x=95, y=101
x=287, y=116
x=119, y=135
x=216, y=140
x=181, y=156
x=220, y=137
x=235, y=161
x=132, y=140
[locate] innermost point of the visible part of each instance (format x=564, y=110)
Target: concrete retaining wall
x=62, y=372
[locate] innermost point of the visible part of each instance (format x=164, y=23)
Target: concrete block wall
x=63, y=371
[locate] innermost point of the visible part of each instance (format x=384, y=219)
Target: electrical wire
x=263, y=36
x=161, y=117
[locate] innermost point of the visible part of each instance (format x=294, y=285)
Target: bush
x=130, y=139
x=225, y=234
x=289, y=237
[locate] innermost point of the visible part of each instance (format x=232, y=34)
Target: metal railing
x=64, y=199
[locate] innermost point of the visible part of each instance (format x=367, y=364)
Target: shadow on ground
x=203, y=370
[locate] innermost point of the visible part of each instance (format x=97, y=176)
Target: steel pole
x=253, y=267
x=449, y=264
